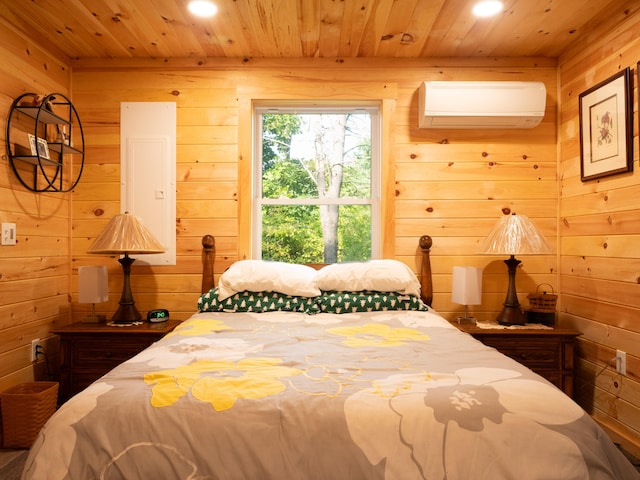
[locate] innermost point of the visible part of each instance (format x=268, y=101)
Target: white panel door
x=148, y=172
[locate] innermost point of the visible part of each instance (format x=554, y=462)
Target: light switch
x=8, y=234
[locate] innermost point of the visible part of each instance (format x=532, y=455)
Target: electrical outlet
x=36, y=349
x=8, y=234
x=621, y=362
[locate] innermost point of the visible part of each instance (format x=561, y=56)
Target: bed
x=288, y=372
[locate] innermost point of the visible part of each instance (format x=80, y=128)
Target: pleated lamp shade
x=125, y=233
x=514, y=235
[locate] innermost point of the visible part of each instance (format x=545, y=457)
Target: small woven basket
x=25, y=410
x=543, y=302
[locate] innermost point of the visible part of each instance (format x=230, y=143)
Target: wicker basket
x=25, y=410
x=543, y=302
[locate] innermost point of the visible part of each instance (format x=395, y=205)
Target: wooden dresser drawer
x=548, y=352
x=532, y=354
x=88, y=351
x=535, y=358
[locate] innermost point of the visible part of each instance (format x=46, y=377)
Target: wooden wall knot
x=406, y=38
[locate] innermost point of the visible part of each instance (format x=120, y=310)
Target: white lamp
x=466, y=289
x=514, y=235
x=93, y=288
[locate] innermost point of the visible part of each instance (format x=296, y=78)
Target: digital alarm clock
x=158, y=315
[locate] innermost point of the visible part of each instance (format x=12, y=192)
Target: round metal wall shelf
x=48, y=142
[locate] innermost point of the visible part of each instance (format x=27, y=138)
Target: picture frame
x=606, y=127
x=43, y=148
x=32, y=144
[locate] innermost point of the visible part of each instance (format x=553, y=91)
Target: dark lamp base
x=126, y=314
x=511, y=316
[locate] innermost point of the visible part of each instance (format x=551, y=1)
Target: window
x=316, y=184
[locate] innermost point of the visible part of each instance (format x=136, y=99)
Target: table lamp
x=466, y=289
x=125, y=234
x=93, y=288
x=513, y=235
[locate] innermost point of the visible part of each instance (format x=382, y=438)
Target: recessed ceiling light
x=487, y=8
x=202, y=8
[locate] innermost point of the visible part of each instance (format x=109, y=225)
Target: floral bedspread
x=386, y=395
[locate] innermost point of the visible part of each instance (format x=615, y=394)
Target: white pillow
x=376, y=275
x=264, y=276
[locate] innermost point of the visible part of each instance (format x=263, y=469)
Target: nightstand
x=89, y=350
x=548, y=352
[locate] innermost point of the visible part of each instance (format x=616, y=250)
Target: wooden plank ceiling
x=307, y=28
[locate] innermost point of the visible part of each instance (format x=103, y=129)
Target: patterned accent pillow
x=368, y=301
x=257, y=302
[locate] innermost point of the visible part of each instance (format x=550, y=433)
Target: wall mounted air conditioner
x=481, y=104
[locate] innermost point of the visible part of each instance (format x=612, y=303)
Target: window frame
x=374, y=200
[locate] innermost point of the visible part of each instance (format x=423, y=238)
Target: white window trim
x=376, y=170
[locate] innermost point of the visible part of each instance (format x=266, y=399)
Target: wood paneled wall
x=34, y=274
x=599, y=231
x=453, y=185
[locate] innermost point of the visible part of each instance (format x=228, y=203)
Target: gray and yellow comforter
x=385, y=395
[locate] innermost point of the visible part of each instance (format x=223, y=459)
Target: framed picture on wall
x=606, y=127
x=43, y=148
x=32, y=144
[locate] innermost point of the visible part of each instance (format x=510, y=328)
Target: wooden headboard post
x=426, y=283
x=208, y=255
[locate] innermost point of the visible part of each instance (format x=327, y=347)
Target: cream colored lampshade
x=125, y=233
x=93, y=288
x=514, y=235
x=467, y=286
x=466, y=289
x=93, y=284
